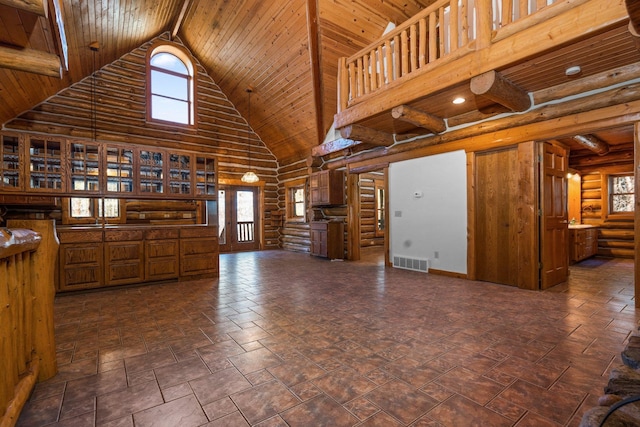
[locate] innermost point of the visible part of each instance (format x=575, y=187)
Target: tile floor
x=284, y=339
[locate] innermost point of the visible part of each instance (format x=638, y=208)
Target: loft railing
x=443, y=31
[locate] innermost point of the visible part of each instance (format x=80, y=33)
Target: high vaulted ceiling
x=287, y=51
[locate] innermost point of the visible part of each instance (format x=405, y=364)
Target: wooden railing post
x=484, y=23
x=343, y=84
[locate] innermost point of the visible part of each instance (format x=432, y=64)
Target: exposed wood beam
x=368, y=135
x=419, y=118
x=494, y=86
x=633, y=9
x=332, y=146
x=592, y=143
x=313, y=34
x=33, y=6
x=183, y=12
x=32, y=61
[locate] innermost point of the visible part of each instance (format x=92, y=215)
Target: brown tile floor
x=284, y=339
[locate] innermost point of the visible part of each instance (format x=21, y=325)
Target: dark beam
x=633, y=9
x=313, y=35
x=494, y=86
x=419, y=118
x=368, y=135
x=183, y=12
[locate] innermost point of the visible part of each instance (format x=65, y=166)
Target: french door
x=238, y=226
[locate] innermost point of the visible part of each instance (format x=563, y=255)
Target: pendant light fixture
x=249, y=177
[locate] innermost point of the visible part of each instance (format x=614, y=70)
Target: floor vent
x=411, y=263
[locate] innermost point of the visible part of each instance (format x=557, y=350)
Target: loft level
x=495, y=54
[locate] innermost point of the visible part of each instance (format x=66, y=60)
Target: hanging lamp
x=249, y=177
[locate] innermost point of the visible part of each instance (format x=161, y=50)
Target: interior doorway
x=238, y=217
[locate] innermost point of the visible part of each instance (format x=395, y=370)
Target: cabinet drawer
x=162, y=248
x=122, y=235
x=80, y=236
x=88, y=253
x=165, y=233
x=199, y=232
x=124, y=251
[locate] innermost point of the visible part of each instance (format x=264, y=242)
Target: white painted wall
x=428, y=210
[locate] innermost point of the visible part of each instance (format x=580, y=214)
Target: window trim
x=188, y=60
x=67, y=219
x=606, y=199
x=289, y=189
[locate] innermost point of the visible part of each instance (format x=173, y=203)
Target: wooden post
x=483, y=23
x=343, y=84
x=45, y=288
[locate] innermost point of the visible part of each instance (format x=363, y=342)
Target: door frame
x=259, y=226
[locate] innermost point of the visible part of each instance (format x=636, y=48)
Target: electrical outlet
x=436, y=254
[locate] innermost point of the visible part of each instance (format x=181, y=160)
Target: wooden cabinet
x=124, y=257
x=93, y=257
x=327, y=188
x=583, y=243
x=57, y=166
x=45, y=165
x=161, y=254
x=327, y=239
x=197, y=248
x=81, y=259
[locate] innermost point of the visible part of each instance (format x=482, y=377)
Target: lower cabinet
x=196, y=248
x=162, y=258
x=327, y=239
x=95, y=257
x=123, y=257
x=81, y=260
x=583, y=243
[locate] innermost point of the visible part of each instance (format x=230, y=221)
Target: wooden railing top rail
x=17, y=240
x=400, y=28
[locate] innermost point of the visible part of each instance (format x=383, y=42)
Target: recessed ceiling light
x=572, y=71
x=459, y=100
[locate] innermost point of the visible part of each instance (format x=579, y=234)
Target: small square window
x=621, y=194
x=296, y=205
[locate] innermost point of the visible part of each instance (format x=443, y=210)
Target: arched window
x=170, y=86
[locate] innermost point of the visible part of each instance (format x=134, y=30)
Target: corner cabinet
x=326, y=188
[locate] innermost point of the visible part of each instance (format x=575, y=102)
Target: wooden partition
x=27, y=348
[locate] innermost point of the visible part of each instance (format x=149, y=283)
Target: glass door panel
x=10, y=171
x=84, y=162
x=151, y=171
x=180, y=174
x=119, y=170
x=238, y=216
x=45, y=164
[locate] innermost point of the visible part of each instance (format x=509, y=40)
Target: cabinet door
x=45, y=164
x=80, y=266
x=161, y=259
x=151, y=171
x=205, y=176
x=119, y=170
x=180, y=174
x=124, y=262
x=84, y=167
x=11, y=171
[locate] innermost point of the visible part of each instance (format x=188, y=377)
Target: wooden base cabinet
x=96, y=257
x=327, y=239
x=81, y=260
x=123, y=257
x=197, y=247
x=583, y=243
x=161, y=253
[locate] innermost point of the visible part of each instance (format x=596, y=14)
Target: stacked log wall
x=368, y=222
x=295, y=236
x=616, y=236
x=118, y=114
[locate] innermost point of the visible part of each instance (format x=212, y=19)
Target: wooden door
x=496, y=219
x=238, y=216
x=553, y=224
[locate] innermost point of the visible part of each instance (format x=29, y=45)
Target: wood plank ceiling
x=287, y=51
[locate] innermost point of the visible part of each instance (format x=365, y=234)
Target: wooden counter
x=95, y=256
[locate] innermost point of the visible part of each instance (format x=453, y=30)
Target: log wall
x=616, y=237
x=295, y=235
x=368, y=210
x=120, y=116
